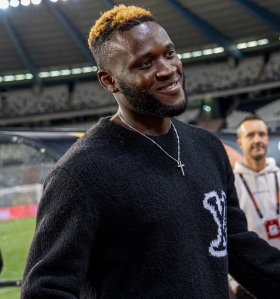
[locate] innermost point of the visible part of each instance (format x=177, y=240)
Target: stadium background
x=49, y=92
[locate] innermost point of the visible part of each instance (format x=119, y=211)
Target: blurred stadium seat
x=272, y=70
x=190, y=115
x=233, y=120
x=270, y=113
x=220, y=76
x=77, y=126
x=91, y=95
x=25, y=103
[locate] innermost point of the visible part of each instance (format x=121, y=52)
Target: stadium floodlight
x=207, y=52
x=76, y=71
x=44, y=74
x=54, y=0
x=179, y=56
x=242, y=46
x=4, y=4
x=218, y=50
x=36, y=1
x=54, y=73
x=28, y=76
x=94, y=68
x=1, y=79
x=25, y=2
x=263, y=41
x=252, y=44
x=186, y=55
x=20, y=77
x=9, y=78
x=65, y=72
x=197, y=53
x=87, y=69
x=14, y=3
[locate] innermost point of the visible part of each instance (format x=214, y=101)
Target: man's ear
x=239, y=142
x=107, y=81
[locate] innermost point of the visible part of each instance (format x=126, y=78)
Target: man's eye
x=146, y=63
x=170, y=53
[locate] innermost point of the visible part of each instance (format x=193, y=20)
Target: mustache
x=258, y=145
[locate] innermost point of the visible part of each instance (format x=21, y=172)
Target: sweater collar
x=105, y=127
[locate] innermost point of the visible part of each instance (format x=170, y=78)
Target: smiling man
x=257, y=181
x=143, y=206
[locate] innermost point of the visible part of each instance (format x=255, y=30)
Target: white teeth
x=170, y=86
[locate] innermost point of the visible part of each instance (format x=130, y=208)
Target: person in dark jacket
x=144, y=206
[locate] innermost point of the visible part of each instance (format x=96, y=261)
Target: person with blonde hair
x=143, y=206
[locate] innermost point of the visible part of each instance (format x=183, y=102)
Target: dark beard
x=149, y=105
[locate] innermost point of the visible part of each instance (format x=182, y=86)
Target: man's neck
x=148, y=125
x=256, y=165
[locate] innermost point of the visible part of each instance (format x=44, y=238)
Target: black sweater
x=117, y=220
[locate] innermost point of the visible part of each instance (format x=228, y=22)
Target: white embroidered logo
x=217, y=207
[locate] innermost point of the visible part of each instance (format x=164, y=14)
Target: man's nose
x=257, y=138
x=165, y=69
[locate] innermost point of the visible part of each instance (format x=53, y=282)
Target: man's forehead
x=253, y=126
x=140, y=38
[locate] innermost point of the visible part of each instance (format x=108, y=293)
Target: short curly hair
x=120, y=18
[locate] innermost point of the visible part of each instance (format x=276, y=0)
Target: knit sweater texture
x=118, y=220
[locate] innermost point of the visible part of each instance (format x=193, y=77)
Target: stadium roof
x=48, y=40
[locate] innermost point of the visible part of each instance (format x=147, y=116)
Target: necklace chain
x=178, y=161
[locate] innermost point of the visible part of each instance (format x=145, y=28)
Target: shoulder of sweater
x=204, y=143
x=198, y=134
x=82, y=152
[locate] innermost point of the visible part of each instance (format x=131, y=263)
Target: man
x=143, y=206
x=257, y=183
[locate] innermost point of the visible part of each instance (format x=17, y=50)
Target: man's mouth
x=174, y=87
x=258, y=147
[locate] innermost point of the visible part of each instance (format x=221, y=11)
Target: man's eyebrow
x=170, y=45
x=149, y=54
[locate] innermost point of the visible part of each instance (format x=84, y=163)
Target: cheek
x=137, y=84
x=266, y=141
x=144, y=82
x=248, y=146
x=179, y=66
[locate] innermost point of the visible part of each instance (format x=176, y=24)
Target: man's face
x=148, y=72
x=253, y=139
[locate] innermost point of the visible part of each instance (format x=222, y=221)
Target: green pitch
x=15, y=239
x=10, y=293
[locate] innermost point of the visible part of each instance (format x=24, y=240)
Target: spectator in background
x=257, y=184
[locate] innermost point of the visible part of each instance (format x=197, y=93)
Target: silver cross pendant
x=181, y=165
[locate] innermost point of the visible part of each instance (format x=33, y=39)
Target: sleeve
x=60, y=252
x=252, y=261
